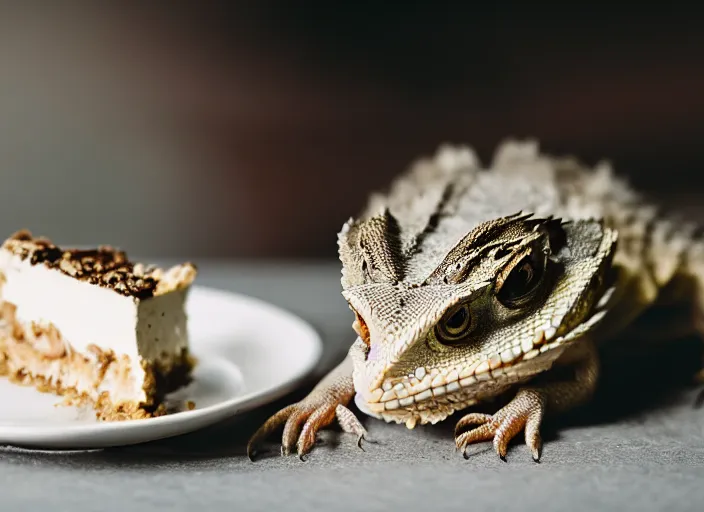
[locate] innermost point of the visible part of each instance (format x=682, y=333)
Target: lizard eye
x=455, y=325
x=522, y=281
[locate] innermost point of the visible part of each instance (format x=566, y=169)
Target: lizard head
x=496, y=309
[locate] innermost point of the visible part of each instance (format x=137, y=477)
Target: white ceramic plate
x=249, y=353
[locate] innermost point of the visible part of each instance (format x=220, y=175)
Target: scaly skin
x=458, y=298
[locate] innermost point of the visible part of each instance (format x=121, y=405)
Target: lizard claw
x=364, y=437
x=303, y=420
x=524, y=412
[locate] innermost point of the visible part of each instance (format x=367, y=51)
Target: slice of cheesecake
x=93, y=326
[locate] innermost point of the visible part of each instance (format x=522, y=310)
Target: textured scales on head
x=457, y=296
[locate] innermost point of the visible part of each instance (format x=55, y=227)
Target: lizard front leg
x=526, y=410
x=303, y=420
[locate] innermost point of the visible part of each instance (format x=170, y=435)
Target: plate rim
x=227, y=409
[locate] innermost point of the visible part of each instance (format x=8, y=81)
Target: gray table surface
x=634, y=449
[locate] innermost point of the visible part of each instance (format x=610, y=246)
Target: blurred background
x=255, y=129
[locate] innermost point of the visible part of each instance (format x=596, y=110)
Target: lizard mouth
x=431, y=395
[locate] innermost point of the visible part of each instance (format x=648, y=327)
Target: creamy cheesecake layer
x=93, y=323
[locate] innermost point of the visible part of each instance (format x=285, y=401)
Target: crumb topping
x=105, y=266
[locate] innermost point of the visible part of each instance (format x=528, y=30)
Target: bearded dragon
x=470, y=282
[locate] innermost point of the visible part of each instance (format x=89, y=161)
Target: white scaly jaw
x=431, y=395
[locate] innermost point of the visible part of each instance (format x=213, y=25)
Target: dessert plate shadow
x=249, y=353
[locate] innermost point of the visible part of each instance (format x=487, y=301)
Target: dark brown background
x=254, y=129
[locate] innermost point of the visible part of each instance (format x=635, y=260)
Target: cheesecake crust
x=105, y=266
x=28, y=354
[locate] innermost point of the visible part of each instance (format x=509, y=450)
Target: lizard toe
x=474, y=418
x=350, y=424
x=293, y=427
x=318, y=419
x=269, y=426
x=476, y=435
x=523, y=413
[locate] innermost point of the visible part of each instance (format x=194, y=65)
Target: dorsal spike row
x=370, y=250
